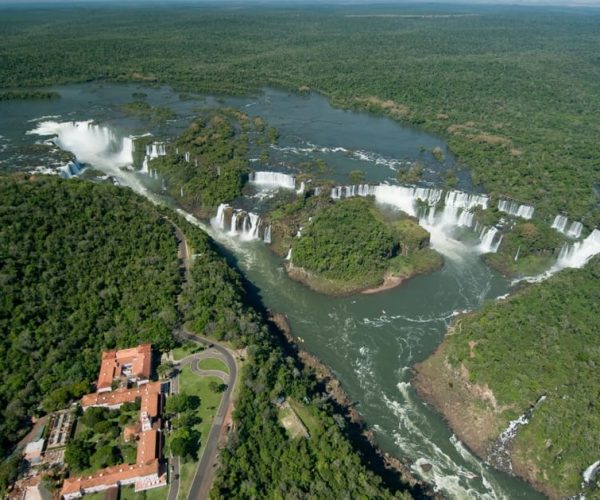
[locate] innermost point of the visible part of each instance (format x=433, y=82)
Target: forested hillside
x=83, y=267
x=523, y=116
x=87, y=267
x=261, y=460
x=542, y=341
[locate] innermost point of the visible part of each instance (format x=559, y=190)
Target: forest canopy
x=524, y=117
x=84, y=267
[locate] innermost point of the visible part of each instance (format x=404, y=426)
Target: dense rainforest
x=540, y=345
x=83, y=267
x=87, y=267
x=523, y=116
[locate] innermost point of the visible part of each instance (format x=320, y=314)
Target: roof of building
x=124, y=395
x=109, y=476
x=137, y=359
x=34, y=447
x=147, y=449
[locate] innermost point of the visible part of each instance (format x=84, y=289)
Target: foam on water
x=449, y=477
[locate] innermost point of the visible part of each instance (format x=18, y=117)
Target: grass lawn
x=308, y=419
x=185, y=349
x=128, y=493
x=190, y=383
x=213, y=364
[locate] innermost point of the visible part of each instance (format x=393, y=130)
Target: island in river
x=350, y=246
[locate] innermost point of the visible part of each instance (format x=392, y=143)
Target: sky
x=566, y=3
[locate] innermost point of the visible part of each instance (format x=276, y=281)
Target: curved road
x=207, y=466
x=205, y=472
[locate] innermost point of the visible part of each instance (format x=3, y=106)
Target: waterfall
x=273, y=179
x=289, y=255
x=187, y=157
x=155, y=150
x=181, y=192
x=145, y=165
x=575, y=230
x=515, y=209
x=301, y=189
x=69, y=170
x=578, y=253
x=247, y=225
x=499, y=456
x=424, y=203
x=89, y=142
x=317, y=191
x=517, y=254
x=488, y=235
x=267, y=235
x=590, y=472
x=560, y=224
x=464, y=200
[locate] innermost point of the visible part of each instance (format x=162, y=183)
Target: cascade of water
x=69, y=170
x=187, y=157
x=267, y=235
x=499, y=455
x=155, y=150
x=488, y=245
x=464, y=200
x=273, y=179
x=90, y=142
x=575, y=230
x=560, y=223
x=145, y=165
x=233, y=228
x=289, y=255
x=218, y=221
x=317, y=191
x=590, y=472
x=577, y=254
x=517, y=254
x=515, y=209
x=300, y=190
x=246, y=225
x=181, y=192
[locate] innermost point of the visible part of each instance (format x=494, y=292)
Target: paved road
x=174, y=461
x=206, y=468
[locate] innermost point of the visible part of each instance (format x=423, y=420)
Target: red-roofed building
x=134, y=364
x=148, y=471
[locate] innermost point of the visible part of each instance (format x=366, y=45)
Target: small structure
x=134, y=365
x=33, y=452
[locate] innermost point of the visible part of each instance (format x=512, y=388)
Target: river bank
x=385, y=464
x=471, y=411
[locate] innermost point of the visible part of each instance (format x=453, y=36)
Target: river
x=370, y=341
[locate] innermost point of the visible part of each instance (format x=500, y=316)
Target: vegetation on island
x=24, y=94
x=85, y=267
x=496, y=364
x=350, y=246
x=207, y=164
x=156, y=115
x=523, y=117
